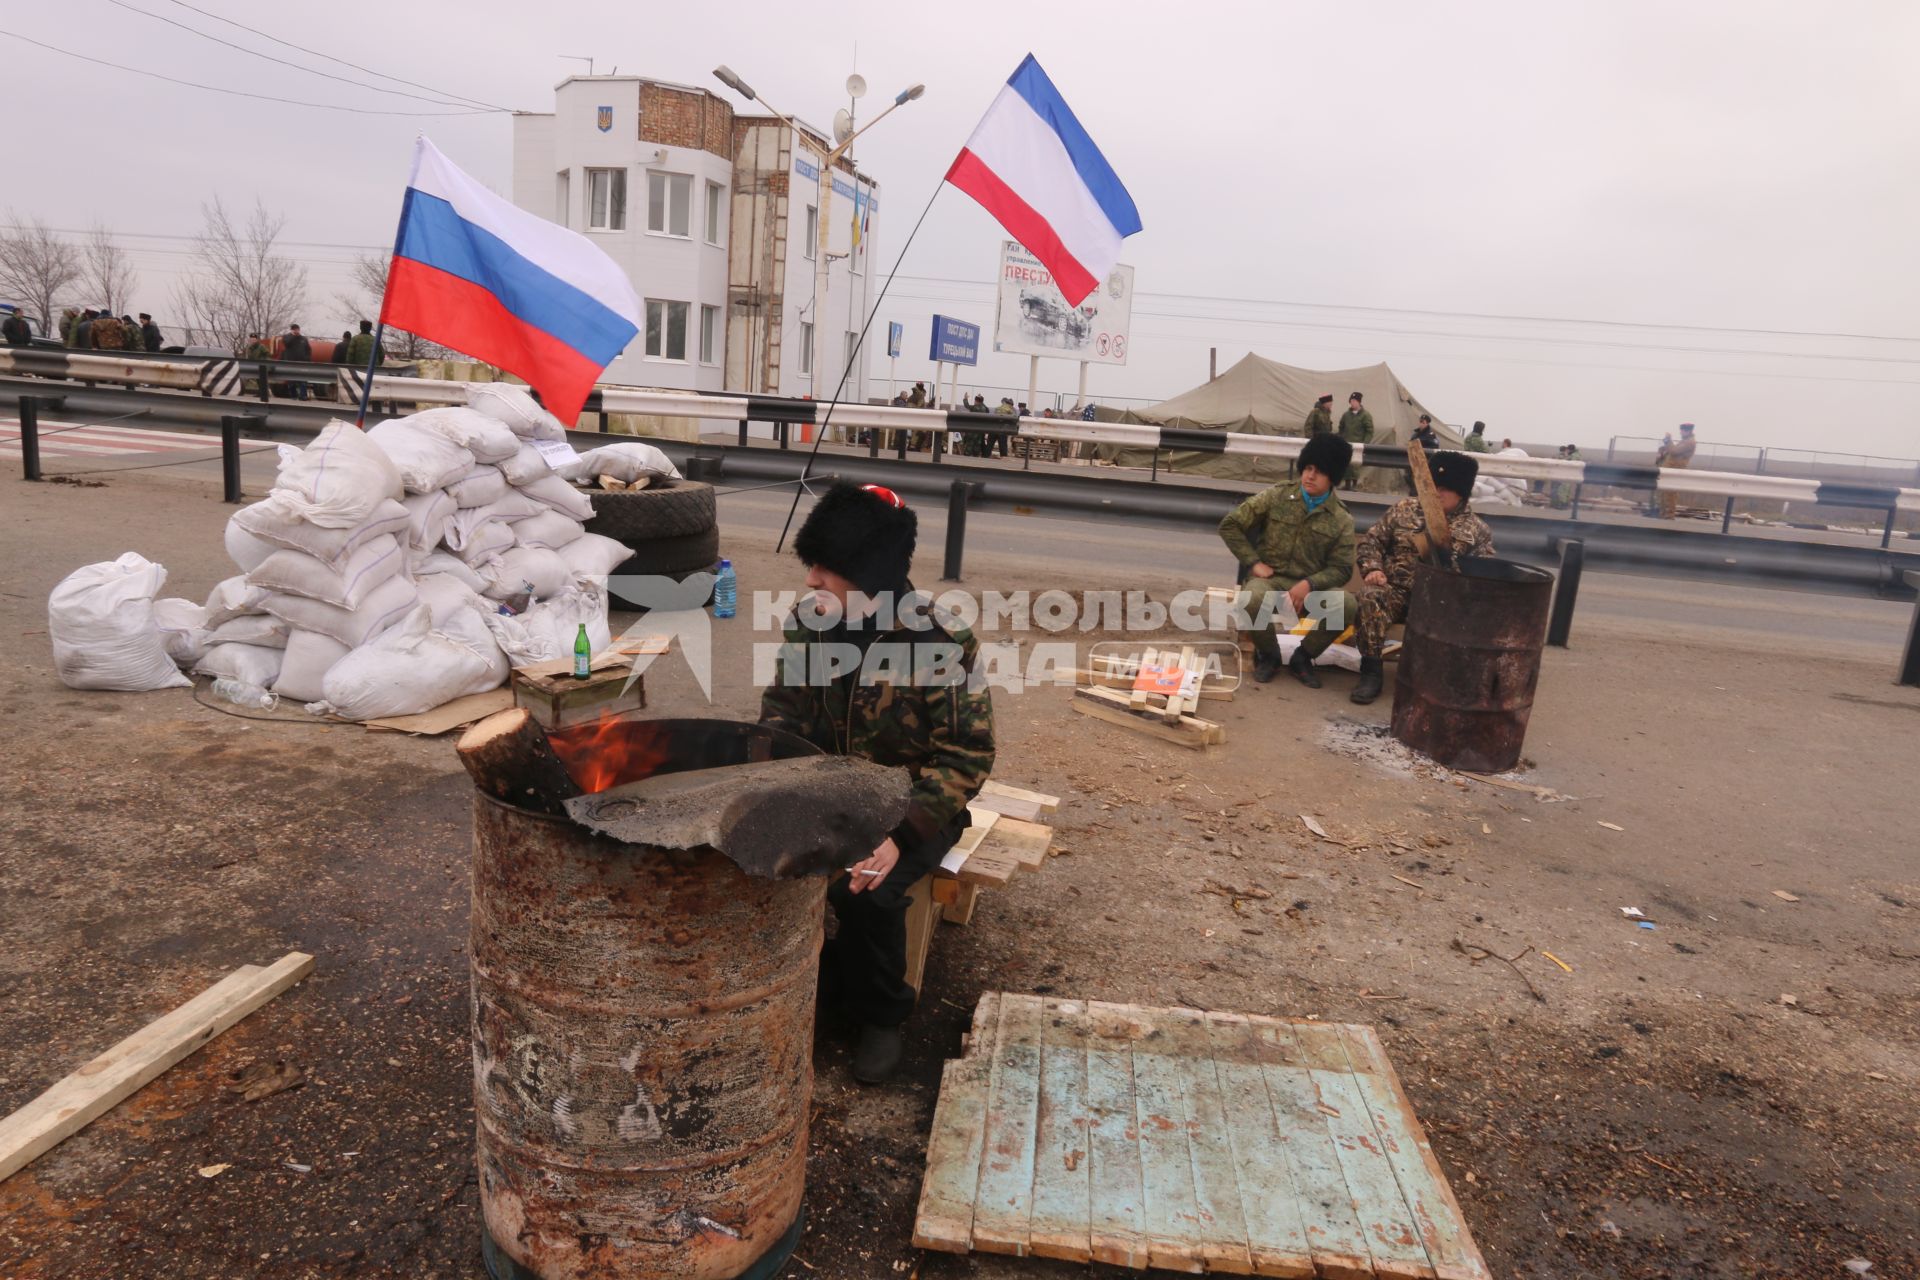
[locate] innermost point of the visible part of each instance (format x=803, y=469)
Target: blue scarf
x=1313, y=503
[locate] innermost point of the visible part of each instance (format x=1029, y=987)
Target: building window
x=666, y=330
x=716, y=201
x=607, y=199
x=563, y=197
x=813, y=232
x=709, y=335
x=853, y=341
x=806, y=347
x=669, y=204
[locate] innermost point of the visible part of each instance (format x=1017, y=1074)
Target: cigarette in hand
x=869, y=873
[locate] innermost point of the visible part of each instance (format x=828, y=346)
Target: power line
x=238, y=93
x=341, y=61
x=1474, y=315
x=312, y=71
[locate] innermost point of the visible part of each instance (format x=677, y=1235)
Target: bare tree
x=36, y=265
x=108, y=273
x=239, y=284
x=370, y=286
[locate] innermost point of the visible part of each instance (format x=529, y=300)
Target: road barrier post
x=29, y=438
x=1573, y=554
x=1910, y=662
x=743, y=433
x=957, y=494
x=231, y=425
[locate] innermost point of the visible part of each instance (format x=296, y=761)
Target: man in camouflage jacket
x=1296, y=540
x=1396, y=542
x=915, y=708
x=1319, y=418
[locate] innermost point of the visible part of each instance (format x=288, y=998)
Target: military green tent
x=1264, y=397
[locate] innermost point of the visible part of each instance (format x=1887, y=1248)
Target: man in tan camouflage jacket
x=1387, y=552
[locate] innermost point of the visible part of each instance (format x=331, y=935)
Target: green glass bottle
x=582, y=655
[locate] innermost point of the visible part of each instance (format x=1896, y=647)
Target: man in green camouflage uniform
x=1396, y=542
x=1320, y=418
x=902, y=696
x=1292, y=540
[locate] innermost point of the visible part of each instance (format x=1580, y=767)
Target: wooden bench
x=1004, y=840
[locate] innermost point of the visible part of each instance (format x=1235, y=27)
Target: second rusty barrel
x=642, y=1038
x=1471, y=659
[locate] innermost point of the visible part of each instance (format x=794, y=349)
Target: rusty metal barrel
x=642, y=1043
x=1471, y=659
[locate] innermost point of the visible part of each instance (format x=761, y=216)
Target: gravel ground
x=1659, y=1111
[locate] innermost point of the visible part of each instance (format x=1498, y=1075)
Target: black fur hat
x=864, y=533
x=1455, y=471
x=1329, y=454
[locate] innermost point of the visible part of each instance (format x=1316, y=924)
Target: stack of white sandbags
x=372, y=576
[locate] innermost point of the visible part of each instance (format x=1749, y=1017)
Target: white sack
x=101, y=621
x=544, y=571
x=547, y=631
x=626, y=461
x=427, y=516
x=487, y=439
x=594, y=555
x=486, y=484
x=247, y=663
x=272, y=520
x=232, y=598
x=245, y=549
x=410, y=669
x=428, y=563
x=469, y=627
x=338, y=480
x=548, y=531
x=427, y=460
x=445, y=595
x=488, y=539
x=183, y=629
x=346, y=584
x=515, y=406
x=525, y=466
x=262, y=629
x=510, y=509
x=561, y=496
x=388, y=603
x=303, y=670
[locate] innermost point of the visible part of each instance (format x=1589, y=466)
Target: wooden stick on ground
x=98, y=1087
x=510, y=759
x=1439, y=533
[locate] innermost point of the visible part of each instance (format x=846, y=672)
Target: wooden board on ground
x=1117, y=708
x=102, y=1084
x=1188, y=1140
x=448, y=716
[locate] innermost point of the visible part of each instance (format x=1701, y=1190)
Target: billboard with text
x=1032, y=318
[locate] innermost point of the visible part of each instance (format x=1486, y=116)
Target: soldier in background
x=17, y=331
x=1295, y=539
x=1477, y=439
x=151, y=339
x=1397, y=541
x=1676, y=454
x=1320, y=418
x=857, y=544
x=1425, y=435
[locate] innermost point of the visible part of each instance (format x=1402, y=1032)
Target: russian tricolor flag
x=485, y=277
x=1032, y=166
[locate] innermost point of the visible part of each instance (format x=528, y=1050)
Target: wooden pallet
x=1115, y=706
x=1185, y=1140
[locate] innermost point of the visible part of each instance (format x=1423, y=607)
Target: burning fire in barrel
x=647, y=913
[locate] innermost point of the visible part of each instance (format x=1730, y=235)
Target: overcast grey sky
x=1739, y=166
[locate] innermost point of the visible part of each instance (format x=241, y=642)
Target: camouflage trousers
x=1380, y=608
x=1334, y=615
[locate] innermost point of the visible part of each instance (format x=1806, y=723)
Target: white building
x=714, y=218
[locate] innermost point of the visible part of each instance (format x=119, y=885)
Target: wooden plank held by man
x=1439, y=549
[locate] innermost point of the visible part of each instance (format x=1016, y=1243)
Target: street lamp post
x=828, y=158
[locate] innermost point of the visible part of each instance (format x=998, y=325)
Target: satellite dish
x=842, y=125
x=856, y=85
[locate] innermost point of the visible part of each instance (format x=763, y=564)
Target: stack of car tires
x=669, y=526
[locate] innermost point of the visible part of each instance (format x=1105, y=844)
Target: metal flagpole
x=380, y=326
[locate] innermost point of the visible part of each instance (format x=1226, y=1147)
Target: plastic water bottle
x=245, y=694
x=725, y=589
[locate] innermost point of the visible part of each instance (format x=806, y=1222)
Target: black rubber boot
x=1372, y=679
x=1302, y=667
x=878, y=1056
x=1264, y=668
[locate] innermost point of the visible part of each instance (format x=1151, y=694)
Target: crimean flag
x=1032, y=166
x=481, y=275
